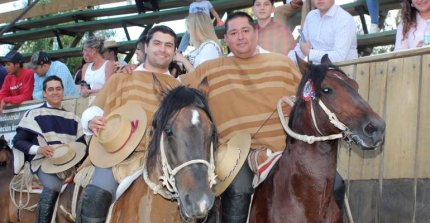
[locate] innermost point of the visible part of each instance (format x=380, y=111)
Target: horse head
x=328, y=97
x=184, y=138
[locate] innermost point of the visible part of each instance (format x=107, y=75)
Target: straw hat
x=125, y=127
x=229, y=158
x=65, y=157
x=110, y=44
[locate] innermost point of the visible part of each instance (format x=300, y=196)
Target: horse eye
x=327, y=90
x=168, y=131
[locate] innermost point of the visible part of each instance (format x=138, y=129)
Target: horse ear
x=303, y=65
x=204, y=86
x=326, y=60
x=158, y=88
x=2, y=137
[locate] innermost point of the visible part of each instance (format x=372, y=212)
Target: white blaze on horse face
x=195, y=118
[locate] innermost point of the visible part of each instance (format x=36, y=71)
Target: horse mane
x=316, y=73
x=173, y=101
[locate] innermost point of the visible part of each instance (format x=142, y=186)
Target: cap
x=39, y=58
x=13, y=56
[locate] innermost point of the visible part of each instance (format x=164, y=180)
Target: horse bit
x=168, y=180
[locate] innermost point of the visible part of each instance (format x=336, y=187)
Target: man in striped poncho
x=36, y=136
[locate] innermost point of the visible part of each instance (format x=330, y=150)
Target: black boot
x=46, y=205
x=95, y=205
x=236, y=199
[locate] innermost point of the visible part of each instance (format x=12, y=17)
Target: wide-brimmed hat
x=229, y=158
x=124, y=129
x=110, y=44
x=65, y=157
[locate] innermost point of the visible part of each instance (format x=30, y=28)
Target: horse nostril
x=370, y=129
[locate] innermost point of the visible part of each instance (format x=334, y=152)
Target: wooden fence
x=391, y=183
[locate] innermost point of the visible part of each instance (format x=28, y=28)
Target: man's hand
x=305, y=47
x=420, y=43
x=127, y=68
x=296, y=4
x=46, y=151
x=96, y=124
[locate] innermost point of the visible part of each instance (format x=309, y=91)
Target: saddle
x=261, y=162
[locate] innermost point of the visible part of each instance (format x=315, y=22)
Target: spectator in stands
x=141, y=8
x=3, y=73
x=272, y=36
x=44, y=67
x=18, y=84
x=203, y=38
x=111, y=52
x=120, y=90
x=284, y=13
x=97, y=70
x=40, y=133
x=373, y=8
x=329, y=29
x=202, y=6
x=78, y=72
x=410, y=32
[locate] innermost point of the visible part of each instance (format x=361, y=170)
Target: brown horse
x=300, y=186
x=8, y=211
x=181, y=154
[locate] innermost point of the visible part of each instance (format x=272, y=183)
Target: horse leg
x=237, y=198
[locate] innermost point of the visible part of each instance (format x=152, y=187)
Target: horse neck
x=309, y=168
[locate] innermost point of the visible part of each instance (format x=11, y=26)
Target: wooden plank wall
x=391, y=184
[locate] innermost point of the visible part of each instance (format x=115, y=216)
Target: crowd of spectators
x=319, y=35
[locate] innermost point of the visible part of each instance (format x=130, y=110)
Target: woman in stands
x=410, y=32
x=203, y=38
x=97, y=70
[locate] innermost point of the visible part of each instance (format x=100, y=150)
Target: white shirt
x=333, y=34
x=208, y=50
x=96, y=78
x=413, y=36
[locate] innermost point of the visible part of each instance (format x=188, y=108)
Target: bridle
x=344, y=134
x=167, y=188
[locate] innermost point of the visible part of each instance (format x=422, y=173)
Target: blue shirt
x=59, y=69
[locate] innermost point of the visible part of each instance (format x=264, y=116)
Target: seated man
x=111, y=52
x=18, y=84
x=40, y=132
x=272, y=36
x=44, y=67
x=329, y=29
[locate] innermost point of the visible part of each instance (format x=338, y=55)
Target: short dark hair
x=272, y=1
x=239, y=14
x=164, y=29
x=52, y=78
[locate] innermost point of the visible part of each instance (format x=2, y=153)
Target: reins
x=307, y=138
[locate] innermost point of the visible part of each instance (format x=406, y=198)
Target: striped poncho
x=243, y=95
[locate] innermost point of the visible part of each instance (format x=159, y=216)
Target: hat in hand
x=13, y=56
x=124, y=129
x=39, y=58
x=229, y=158
x=65, y=157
